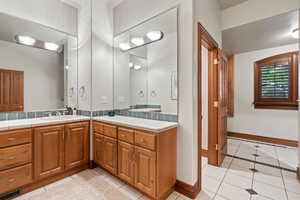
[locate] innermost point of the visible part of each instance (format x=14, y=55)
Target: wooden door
x=223, y=105
x=11, y=90
x=98, y=147
x=110, y=154
x=49, y=151
x=76, y=144
x=145, y=171
x=125, y=162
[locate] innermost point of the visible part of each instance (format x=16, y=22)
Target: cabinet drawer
x=10, y=138
x=98, y=127
x=145, y=140
x=126, y=135
x=15, y=156
x=110, y=131
x=14, y=178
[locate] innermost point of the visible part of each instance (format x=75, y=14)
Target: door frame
x=206, y=40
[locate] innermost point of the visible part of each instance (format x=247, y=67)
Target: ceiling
x=230, y=3
x=267, y=33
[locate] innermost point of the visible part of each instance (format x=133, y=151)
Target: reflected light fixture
x=26, y=40
x=295, y=33
x=124, y=46
x=154, y=35
x=130, y=65
x=137, y=67
x=138, y=41
x=67, y=67
x=51, y=46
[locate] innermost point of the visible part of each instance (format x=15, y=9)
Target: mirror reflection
x=38, y=67
x=145, y=69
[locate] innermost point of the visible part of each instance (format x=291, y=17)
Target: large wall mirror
x=145, y=66
x=38, y=67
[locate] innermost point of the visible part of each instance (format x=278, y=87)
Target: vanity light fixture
x=295, y=33
x=155, y=35
x=131, y=65
x=138, y=41
x=67, y=67
x=26, y=40
x=124, y=46
x=137, y=67
x=51, y=46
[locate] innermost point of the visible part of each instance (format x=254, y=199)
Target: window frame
x=277, y=103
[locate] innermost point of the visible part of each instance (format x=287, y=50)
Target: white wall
x=204, y=98
x=84, y=55
x=52, y=13
x=269, y=123
x=43, y=75
x=102, y=50
x=254, y=10
x=162, y=61
x=132, y=12
x=208, y=13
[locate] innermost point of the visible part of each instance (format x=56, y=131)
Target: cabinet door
x=110, y=155
x=76, y=144
x=145, y=171
x=49, y=151
x=98, y=149
x=125, y=162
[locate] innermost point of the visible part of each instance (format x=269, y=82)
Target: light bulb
x=130, y=65
x=124, y=46
x=51, y=46
x=154, y=35
x=23, y=39
x=137, y=67
x=138, y=41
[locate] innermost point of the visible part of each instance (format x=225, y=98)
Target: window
x=276, y=82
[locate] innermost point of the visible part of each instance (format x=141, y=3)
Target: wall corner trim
x=187, y=190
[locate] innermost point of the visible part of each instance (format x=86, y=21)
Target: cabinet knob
x=11, y=180
x=12, y=158
x=142, y=140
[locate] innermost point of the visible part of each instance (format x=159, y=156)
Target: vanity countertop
x=139, y=123
x=43, y=121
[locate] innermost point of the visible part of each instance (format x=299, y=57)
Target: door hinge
x=217, y=147
x=216, y=61
x=216, y=104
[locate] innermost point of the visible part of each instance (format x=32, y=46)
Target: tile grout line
x=286, y=194
x=215, y=195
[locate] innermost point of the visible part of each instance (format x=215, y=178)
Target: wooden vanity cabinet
x=59, y=148
x=145, y=160
x=126, y=162
x=110, y=154
x=76, y=144
x=49, y=151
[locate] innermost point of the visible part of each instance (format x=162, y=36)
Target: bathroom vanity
x=36, y=152
x=140, y=152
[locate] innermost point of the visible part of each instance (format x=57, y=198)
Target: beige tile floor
x=228, y=182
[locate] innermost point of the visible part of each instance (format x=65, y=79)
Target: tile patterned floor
x=228, y=182
x=280, y=156
x=231, y=181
